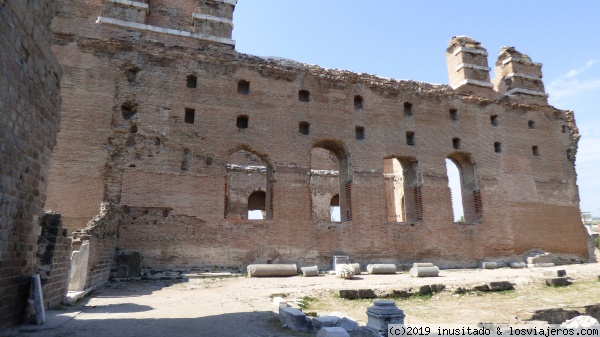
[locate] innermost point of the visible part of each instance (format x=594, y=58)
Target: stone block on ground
x=349, y=294
x=364, y=331
x=422, y=264
x=488, y=265
x=383, y=313
x=366, y=293
x=558, y=282
x=580, y=322
x=424, y=271
x=345, y=271
x=348, y=324
x=310, y=271
x=272, y=270
x=500, y=286
x=326, y=322
x=332, y=332
x=436, y=288
x=481, y=287
x=280, y=301
x=387, y=268
x=517, y=265
x=402, y=293
x=555, y=273
x=543, y=265
x=295, y=320
x=425, y=290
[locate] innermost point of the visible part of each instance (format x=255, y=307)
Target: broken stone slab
x=382, y=313
x=422, y=264
x=517, y=265
x=348, y=324
x=488, y=265
x=424, y=271
x=558, y=282
x=381, y=268
x=332, y=332
x=272, y=270
x=555, y=273
x=295, y=320
x=310, y=271
x=345, y=271
x=500, y=286
x=326, y=322
x=481, y=287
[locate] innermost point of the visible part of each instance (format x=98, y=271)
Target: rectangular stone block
x=295, y=320
x=555, y=273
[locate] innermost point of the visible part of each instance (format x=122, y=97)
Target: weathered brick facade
x=180, y=132
x=29, y=119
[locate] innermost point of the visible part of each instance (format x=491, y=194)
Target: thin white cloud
x=568, y=85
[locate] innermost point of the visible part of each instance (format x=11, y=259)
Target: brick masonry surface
x=29, y=119
x=153, y=120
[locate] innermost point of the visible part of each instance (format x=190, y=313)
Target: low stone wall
x=53, y=258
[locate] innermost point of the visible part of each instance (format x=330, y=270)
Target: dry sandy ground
x=241, y=306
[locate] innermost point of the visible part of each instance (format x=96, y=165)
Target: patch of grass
x=424, y=296
x=304, y=302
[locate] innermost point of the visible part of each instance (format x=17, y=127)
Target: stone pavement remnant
x=272, y=270
x=295, y=320
x=381, y=268
x=310, y=271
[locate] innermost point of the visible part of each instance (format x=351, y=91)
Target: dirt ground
x=241, y=306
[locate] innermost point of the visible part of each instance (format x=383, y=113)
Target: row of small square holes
x=304, y=96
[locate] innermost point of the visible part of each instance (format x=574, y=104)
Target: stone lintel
x=475, y=82
x=140, y=26
x=526, y=91
x=129, y=3
x=469, y=50
x=531, y=77
x=512, y=59
x=472, y=66
x=200, y=16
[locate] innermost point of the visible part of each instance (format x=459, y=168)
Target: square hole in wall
x=360, y=132
x=535, y=150
x=456, y=143
x=531, y=124
x=304, y=96
x=190, y=115
x=408, y=109
x=453, y=114
x=243, y=87
x=565, y=129
x=410, y=138
x=497, y=147
x=192, y=81
x=242, y=122
x=494, y=120
x=358, y=102
x=304, y=128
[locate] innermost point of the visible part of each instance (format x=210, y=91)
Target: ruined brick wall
x=29, y=120
x=101, y=232
x=172, y=110
x=53, y=258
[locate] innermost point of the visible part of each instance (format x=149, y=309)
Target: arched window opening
x=464, y=188
x=334, y=209
x=246, y=187
x=403, y=190
x=257, y=206
x=330, y=185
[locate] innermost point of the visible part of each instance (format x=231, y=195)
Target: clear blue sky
x=407, y=39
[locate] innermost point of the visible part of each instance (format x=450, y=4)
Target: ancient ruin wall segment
x=152, y=118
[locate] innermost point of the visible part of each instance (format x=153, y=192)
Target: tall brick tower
x=519, y=78
x=209, y=20
x=468, y=69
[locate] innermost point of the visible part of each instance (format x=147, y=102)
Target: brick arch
x=403, y=195
x=469, y=184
